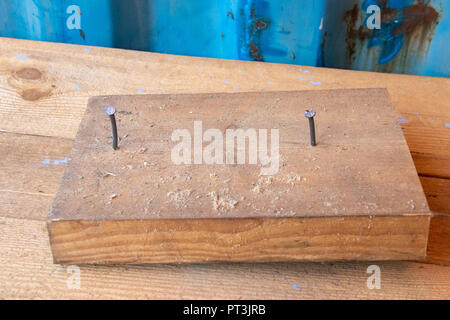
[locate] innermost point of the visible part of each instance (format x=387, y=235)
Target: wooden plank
x=23, y=157
x=31, y=164
x=239, y=240
x=360, y=168
x=438, y=194
x=51, y=86
x=77, y=72
x=439, y=240
x=27, y=272
x=30, y=170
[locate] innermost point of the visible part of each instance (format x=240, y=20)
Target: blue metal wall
x=414, y=34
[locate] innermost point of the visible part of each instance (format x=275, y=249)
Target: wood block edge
x=239, y=240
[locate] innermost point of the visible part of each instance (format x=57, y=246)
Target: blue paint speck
x=300, y=78
x=447, y=125
x=225, y=81
x=56, y=162
x=306, y=71
x=46, y=161
x=140, y=90
x=295, y=286
x=211, y=74
x=87, y=49
x=22, y=56
x=401, y=120
x=78, y=87
x=315, y=82
x=235, y=87
x=243, y=72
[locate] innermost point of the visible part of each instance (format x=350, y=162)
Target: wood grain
x=27, y=272
x=439, y=240
x=77, y=72
x=360, y=168
x=239, y=240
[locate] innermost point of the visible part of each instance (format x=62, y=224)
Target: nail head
x=310, y=113
x=110, y=110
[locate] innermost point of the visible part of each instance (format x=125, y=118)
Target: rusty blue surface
x=413, y=38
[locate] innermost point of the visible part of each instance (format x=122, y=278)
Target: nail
x=111, y=111
x=312, y=130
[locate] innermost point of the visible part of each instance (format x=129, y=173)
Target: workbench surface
x=44, y=88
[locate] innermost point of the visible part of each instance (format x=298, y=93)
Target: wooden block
x=354, y=196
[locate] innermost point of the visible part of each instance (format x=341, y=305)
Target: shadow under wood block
x=182, y=188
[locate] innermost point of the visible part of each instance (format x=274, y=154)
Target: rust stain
x=29, y=74
x=388, y=14
x=82, y=34
x=230, y=14
x=410, y=30
x=416, y=16
x=324, y=38
x=260, y=24
x=353, y=34
x=33, y=94
x=257, y=25
x=254, y=51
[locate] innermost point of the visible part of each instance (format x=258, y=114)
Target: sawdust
x=222, y=201
x=113, y=196
x=179, y=197
x=293, y=178
x=262, y=183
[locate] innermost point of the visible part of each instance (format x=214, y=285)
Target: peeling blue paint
x=294, y=286
x=22, y=56
x=47, y=161
x=57, y=162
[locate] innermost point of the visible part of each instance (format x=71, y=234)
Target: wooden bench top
x=44, y=89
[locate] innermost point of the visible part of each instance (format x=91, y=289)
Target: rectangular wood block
x=354, y=196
